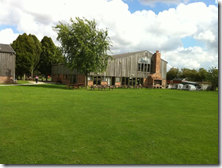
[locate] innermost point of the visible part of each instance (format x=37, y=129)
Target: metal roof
x=132, y=53
x=6, y=48
x=128, y=54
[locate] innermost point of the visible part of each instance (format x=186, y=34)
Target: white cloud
x=141, y=30
x=7, y=36
x=206, y=36
x=192, y=57
x=152, y=3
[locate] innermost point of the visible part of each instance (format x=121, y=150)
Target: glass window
x=123, y=81
x=142, y=68
x=139, y=67
x=145, y=67
x=89, y=78
x=104, y=78
x=94, y=80
x=117, y=79
x=99, y=80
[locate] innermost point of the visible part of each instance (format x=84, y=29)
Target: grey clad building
x=135, y=68
x=7, y=63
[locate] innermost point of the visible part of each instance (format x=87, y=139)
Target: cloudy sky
x=184, y=31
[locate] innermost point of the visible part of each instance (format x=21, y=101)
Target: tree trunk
x=32, y=70
x=86, y=80
x=24, y=77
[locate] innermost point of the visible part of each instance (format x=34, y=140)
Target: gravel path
x=30, y=83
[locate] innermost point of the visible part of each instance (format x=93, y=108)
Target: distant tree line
x=34, y=56
x=200, y=75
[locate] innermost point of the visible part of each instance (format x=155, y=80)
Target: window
x=145, y=67
x=73, y=79
x=123, y=81
x=94, y=80
x=97, y=80
x=144, y=63
x=117, y=79
x=142, y=68
x=89, y=78
x=104, y=78
x=139, y=66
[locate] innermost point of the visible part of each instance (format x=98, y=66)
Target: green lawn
x=48, y=124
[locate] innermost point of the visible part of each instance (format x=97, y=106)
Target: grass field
x=47, y=124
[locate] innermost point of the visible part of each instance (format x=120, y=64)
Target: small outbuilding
x=7, y=63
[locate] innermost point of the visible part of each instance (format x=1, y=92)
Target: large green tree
x=28, y=49
x=172, y=73
x=202, y=75
x=84, y=46
x=50, y=55
x=36, y=51
x=212, y=76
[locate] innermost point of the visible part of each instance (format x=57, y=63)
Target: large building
x=134, y=68
x=7, y=63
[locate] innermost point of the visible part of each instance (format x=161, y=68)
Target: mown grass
x=47, y=124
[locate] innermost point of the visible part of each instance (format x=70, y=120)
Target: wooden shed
x=7, y=63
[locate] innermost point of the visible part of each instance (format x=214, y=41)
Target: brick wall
x=104, y=83
x=157, y=61
x=118, y=83
x=6, y=79
x=90, y=83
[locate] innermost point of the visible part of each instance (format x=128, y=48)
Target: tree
x=189, y=74
x=84, y=46
x=202, y=74
x=23, y=47
x=172, y=73
x=50, y=55
x=212, y=76
x=35, y=54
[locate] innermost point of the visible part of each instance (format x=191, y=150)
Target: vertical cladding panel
x=117, y=68
x=1, y=64
x=163, y=69
x=123, y=66
x=113, y=68
x=108, y=69
x=129, y=66
x=13, y=65
x=7, y=64
x=110, y=72
x=133, y=65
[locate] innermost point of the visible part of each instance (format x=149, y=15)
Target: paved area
x=30, y=83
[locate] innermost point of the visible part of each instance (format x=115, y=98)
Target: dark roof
x=178, y=79
x=128, y=54
x=189, y=82
x=6, y=48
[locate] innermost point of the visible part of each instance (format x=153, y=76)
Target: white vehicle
x=180, y=86
x=191, y=88
x=185, y=87
x=169, y=86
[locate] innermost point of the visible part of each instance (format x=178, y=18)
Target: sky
x=184, y=31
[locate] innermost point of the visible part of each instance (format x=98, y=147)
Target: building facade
x=132, y=69
x=7, y=63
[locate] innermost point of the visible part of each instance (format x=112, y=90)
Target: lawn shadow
x=46, y=86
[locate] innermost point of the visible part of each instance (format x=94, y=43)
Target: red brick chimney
x=157, y=61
